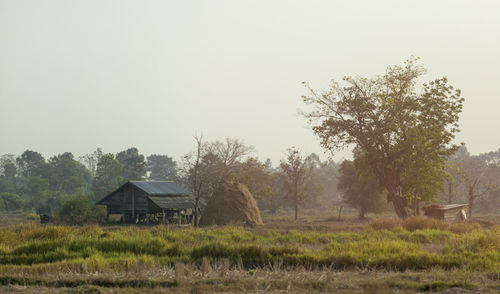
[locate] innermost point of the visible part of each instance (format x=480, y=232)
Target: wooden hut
x=451, y=213
x=150, y=202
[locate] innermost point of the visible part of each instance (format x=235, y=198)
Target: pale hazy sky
x=76, y=75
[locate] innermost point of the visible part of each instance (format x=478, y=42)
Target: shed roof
x=160, y=187
x=151, y=188
x=169, y=202
x=444, y=207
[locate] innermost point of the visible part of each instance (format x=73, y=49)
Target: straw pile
x=231, y=203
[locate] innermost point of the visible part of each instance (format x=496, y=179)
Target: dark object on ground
x=45, y=218
x=231, y=203
x=452, y=213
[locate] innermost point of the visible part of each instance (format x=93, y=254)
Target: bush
x=422, y=222
x=79, y=211
x=387, y=223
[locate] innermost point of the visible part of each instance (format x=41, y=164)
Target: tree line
x=60, y=183
x=401, y=132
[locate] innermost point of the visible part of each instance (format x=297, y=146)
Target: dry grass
x=423, y=223
x=274, y=278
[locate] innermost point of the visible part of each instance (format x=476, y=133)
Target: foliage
x=32, y=164
x=397, y=129
x=78, y=210
x=297, y=178
x=10, y=201
x=257, y=177
x=108, y=175
x=361, y=191
x=478, y=175
x=67, y=175
x=161, y=167
x=133, y=163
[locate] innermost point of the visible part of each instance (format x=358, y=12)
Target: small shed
x=150, y=202
x=452, y=213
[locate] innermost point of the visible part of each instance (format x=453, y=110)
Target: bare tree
x=297, y=172
x=477, y=176
x=210, y=164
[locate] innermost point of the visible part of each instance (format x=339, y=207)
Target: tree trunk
x=449, y=191
x=471, y=202
x=196, y=201
x=361, y=213
x=296, y=210
x=398, y=203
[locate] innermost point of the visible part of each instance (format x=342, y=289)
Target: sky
x=77, y=75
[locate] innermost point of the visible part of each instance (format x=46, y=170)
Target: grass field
x=316, y=255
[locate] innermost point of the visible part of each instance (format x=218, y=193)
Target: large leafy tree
x=161, y=167
x=133, y=163
x=399, y=130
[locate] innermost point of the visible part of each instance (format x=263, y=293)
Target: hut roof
x=160, y=188
x=168, y=202
x=152, y=188
x=444, y=207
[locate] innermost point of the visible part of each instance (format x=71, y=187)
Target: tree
x=35, y=191
x=211, y=164
x=108, y=175
x=255, y=175
x=32, y=164
x=297, y=172
x=360, y=190
x=67, y=175
x=477, y=175
x=10, y=201
x=133, y=163
x=398, y=130
x=161, y=167
x=8, y=171
x=91, y=160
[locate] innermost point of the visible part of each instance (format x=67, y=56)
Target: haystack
x=231, y=203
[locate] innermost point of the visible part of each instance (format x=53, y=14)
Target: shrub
x=421, y=223
x=387, y=223
x=461, y=228
x=79, y=211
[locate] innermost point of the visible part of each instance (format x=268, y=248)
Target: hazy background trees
x=31, y=182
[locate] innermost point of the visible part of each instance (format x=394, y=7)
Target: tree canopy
x=399, y=129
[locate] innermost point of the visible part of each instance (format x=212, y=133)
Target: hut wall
x=134, y=199
x=435, y=213
x=452, y=215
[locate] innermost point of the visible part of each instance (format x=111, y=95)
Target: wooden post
x=133, y=204
x=163, y=211
x=179, y=216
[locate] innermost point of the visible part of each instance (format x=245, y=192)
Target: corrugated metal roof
x=160, y=188
x=444, y=207
x=173, y=202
